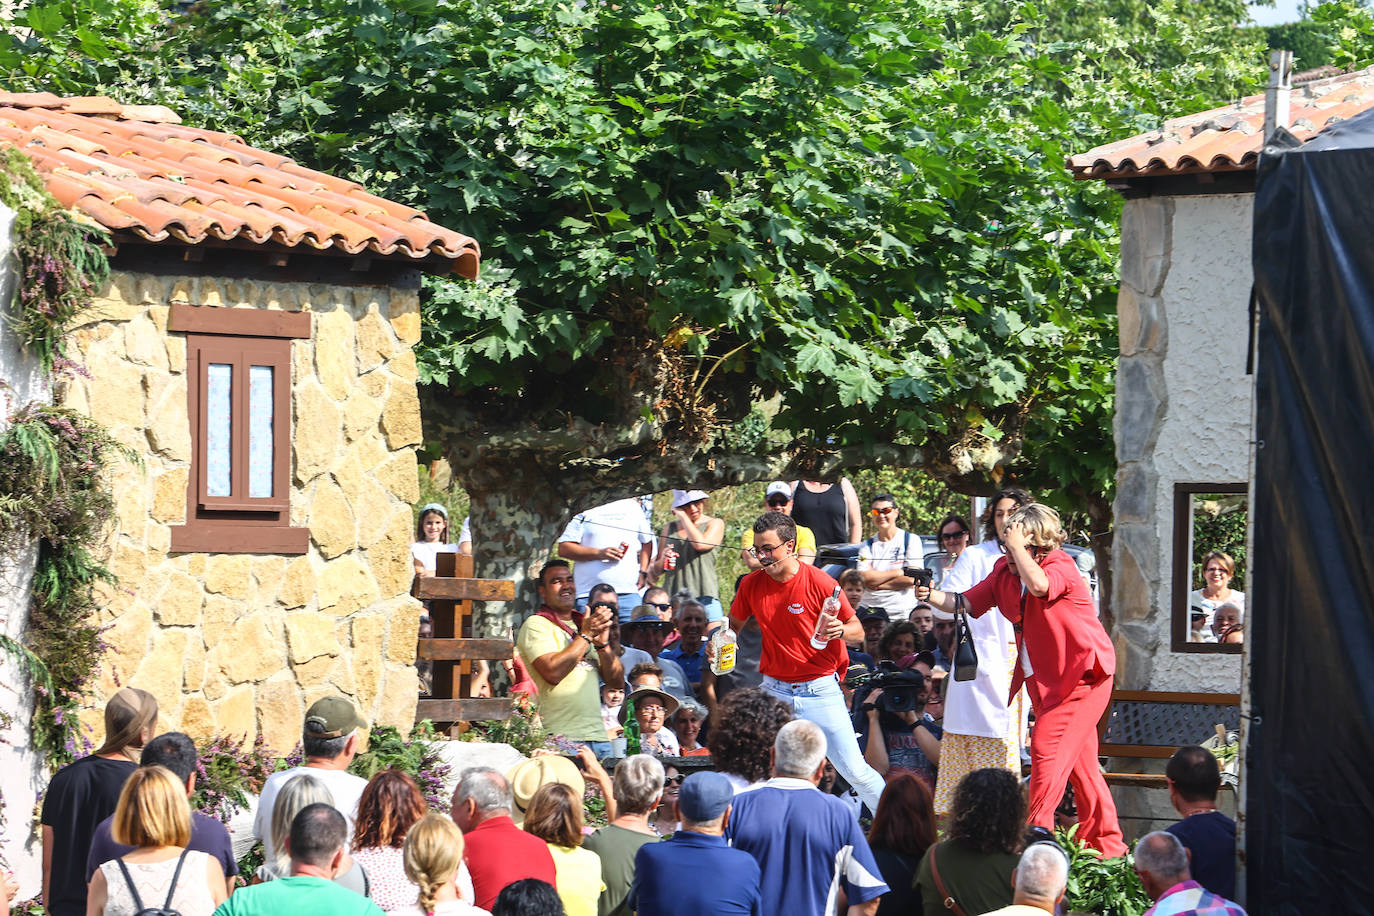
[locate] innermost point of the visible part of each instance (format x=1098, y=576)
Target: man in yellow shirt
x=778, y=498
x=565, y=652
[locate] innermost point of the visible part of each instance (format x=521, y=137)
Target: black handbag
x=965, y=656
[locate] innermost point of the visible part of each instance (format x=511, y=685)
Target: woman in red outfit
x=1066, y=661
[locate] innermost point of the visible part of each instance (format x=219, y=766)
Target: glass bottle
x=632, y=743
x=723, y=645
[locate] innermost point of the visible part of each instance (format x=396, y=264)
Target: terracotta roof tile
x=136, y=168
x=1226, y=139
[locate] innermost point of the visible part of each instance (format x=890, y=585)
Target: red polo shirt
x=1060, y=632
x=499, y=853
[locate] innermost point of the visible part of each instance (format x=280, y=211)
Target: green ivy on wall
x=52, y=490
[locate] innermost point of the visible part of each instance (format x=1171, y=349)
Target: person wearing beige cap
x=687, y=551
x=332, y=738
x=84, y=793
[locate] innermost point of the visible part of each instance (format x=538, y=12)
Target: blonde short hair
x=152, y=810
x=432, y=852
x=1041, y=525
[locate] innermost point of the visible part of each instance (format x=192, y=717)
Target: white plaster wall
x=1205, y=434
x=21, y=769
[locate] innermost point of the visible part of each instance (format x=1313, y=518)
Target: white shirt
x=426, y=551
x=979, y=707
x=875, y=553
x=343, y=786
x=620, y=522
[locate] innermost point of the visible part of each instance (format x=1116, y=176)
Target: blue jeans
x=821, y=701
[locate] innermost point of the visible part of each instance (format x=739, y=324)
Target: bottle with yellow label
x=723, y=645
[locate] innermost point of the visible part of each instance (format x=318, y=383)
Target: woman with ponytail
x=433, y=851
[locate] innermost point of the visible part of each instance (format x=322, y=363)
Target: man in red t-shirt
x=497, y=852
x=785, y=596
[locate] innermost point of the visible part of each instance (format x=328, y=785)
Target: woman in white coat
x=980, y=729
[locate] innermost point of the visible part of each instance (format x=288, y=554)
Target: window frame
x=242, y=338
x=1181, y=582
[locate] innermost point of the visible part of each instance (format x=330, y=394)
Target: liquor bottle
x=829, y=611
x=632, y=744
x=723, y=645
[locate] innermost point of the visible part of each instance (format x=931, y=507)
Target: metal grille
x=1167, y=724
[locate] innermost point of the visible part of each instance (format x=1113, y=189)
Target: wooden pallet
x=452, y=648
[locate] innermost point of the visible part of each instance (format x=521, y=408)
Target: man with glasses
x=785, y=597
x=882, y=557
x=778, y=498
x=646, y=633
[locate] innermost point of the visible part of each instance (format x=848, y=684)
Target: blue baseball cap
x=704, y=796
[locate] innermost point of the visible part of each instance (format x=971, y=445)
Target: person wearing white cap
x=688, y=546
x=778, y=498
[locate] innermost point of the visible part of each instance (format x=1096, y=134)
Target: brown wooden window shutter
x=238, y=383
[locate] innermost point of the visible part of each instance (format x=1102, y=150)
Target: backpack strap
x=171, y=888
x=129, y=880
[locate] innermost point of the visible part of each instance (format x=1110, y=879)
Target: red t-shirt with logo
x=787, y=613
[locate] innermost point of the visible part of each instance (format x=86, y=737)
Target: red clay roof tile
x=1226, y=139
x=135, y=168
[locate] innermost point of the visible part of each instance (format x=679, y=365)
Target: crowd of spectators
x=736, y=796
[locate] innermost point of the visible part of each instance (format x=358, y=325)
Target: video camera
x=903, y=690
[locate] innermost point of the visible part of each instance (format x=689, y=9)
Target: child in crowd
x=431, y=538
x=612, y=698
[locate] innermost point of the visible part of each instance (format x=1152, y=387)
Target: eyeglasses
x=778, y=503
x=665, y=606
x=604, y=605
x=763, y=550
x=886, y=511
x=669, y=781
x=953, y=536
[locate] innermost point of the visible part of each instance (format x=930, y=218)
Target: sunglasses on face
x=887, y=511
x=778, y=503
x=665, y=606
x=953, y=535
x=604, y=606
x=670, y=781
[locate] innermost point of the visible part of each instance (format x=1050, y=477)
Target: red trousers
x=1063, y=750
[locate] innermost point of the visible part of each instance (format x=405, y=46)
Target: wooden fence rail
x=452, y=650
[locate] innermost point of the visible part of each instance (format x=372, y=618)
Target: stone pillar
x=1141, y=403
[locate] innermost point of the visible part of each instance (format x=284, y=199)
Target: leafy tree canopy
x=722, y=236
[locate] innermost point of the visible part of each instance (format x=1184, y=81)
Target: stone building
x=1184, y=389
x=253, y=349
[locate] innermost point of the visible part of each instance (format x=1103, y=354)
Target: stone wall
x=241, y=644
x=1183, y=413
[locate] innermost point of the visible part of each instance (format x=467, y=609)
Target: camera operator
x=893, y=707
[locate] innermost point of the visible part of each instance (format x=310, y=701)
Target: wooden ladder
x=452, y=649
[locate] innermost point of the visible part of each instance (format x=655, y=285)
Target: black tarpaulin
x=1309, y=760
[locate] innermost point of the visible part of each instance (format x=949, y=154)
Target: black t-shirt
x=80, y=796
x=1211, y=838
